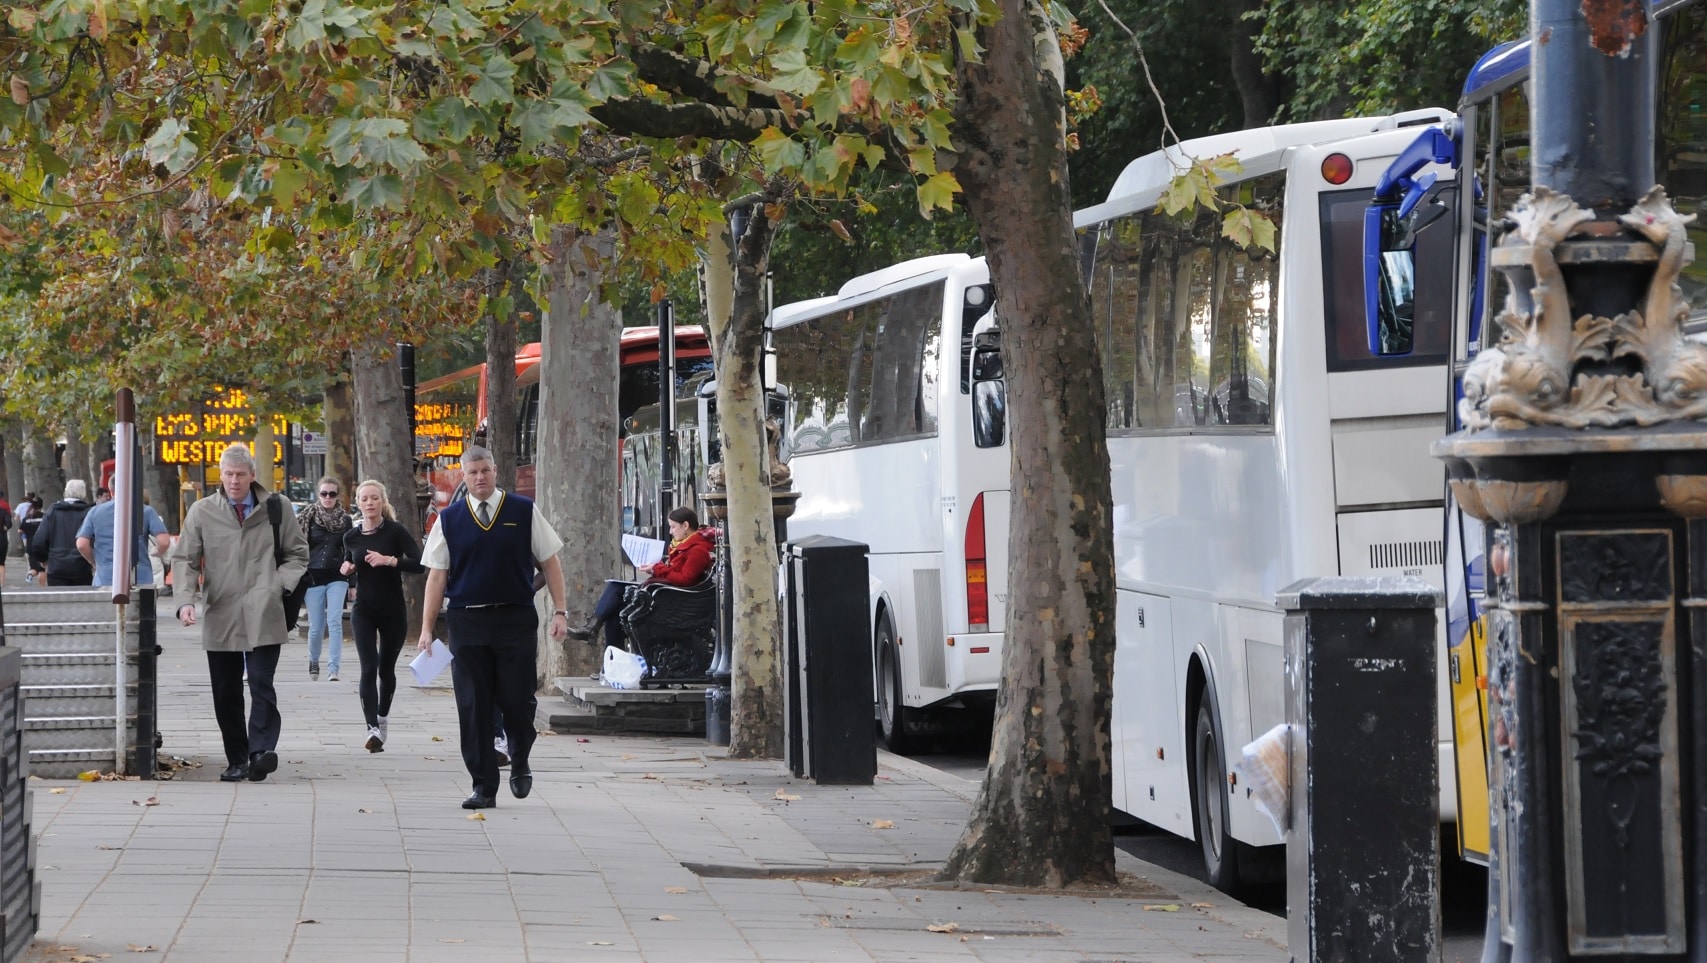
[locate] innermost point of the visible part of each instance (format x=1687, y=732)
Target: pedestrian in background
x=481, y=556
x=95, y=541
x=29, y=522
x=54, y=545
x=225, y=559
x=6, y=523
x=325, y=522
x=377, y=552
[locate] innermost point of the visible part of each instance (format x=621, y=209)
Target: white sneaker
x=375, y=741
x=502, y=747
x=382, y=728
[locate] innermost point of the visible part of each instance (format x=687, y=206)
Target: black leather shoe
x=521, y=783
x=586, y=632
x=234, y=774
x=477, y=801
x=261, y=764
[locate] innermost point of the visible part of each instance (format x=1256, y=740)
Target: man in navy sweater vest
x=481, y=556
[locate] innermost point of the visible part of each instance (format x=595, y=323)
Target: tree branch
x=695, y=78
x=642, y=118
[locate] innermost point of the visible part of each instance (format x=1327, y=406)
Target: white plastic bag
x=623, y=670
x=1267, y=765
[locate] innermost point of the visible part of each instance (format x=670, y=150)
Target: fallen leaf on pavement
x=649, y=776
x=301, y=922
x=109, y=847
x=1162, y=908
x=89, y=776
x=55, y=791
x=364, y=811
x=785, y=796
x=431, y=758
x=600, y=943
x=452, y=939
x=1203, y=906
x=438, y=739
x=882, y=824
x=150, y=801
x=627, y=756
x=583, y=739
x=678, y=890
x=479, y=816
x=944, y=927
x=141, y=949
x=664, y=918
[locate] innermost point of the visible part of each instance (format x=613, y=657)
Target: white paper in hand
x=642, y=550
x=430, y=663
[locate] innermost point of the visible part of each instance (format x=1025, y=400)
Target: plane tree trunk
x=501, y=375
x=1042, y=814
x=756, y=697
x=385, y=447
x=338, y=412
x=577, y=466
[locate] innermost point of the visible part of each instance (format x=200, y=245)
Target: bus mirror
x=1389, y=276
x=768, y=373
x=989, y=396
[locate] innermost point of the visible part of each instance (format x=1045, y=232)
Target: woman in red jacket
x=685, y=563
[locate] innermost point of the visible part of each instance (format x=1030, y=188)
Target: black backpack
x=292, y=597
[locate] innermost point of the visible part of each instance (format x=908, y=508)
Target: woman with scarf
x=324, y=524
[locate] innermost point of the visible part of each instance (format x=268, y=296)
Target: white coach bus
x=1255, y=439
x=885, y=449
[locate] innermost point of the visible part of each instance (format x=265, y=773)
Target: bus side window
x=989, y=394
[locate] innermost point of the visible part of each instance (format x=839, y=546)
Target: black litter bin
x=827, y=662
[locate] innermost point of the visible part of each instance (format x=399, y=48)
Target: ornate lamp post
x=1585, y=449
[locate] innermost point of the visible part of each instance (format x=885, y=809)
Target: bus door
x=1406, y=203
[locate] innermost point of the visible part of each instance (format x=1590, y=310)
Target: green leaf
x=170, y=146
x=448, y=120
x=378, y=191
x=610, y=80
x=793, y=74
x=970, y=51
x=636, y=200
x=493, y=80
x=777, y=151
x=287, y=181
x=934, y=126
x=938, y=191
x=386, y=140
x=860, y=50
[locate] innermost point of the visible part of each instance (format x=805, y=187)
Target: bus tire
x=1209, y=801
x=894, y=719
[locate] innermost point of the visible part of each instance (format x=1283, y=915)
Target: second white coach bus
x=1255, y=439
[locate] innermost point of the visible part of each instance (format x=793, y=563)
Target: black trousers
x=608, y=608
x=494, y=650
x=379, y=638
x=261, y=732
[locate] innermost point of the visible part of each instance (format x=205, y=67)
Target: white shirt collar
x=492, y=501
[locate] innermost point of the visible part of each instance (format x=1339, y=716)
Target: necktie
x=485, y=515
x=241, y=511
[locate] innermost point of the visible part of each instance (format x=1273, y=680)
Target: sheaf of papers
x=642, y=550
x=430, y=663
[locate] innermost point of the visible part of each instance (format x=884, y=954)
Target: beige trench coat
x=237, y=588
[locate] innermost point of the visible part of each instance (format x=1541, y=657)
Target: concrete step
x=81, y=669
x=67, y=763
x=67, y=638
x=61, y=605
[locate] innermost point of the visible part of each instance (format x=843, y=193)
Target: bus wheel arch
x=896, y=724
x=1206, y=760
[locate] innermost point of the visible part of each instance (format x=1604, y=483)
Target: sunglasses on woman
x=328, y=494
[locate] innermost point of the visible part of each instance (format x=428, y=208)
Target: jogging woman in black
x=377, y=551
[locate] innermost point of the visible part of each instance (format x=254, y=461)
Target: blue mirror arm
x=1414, y=193
x=1436, y=145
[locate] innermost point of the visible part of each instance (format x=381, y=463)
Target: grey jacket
x=236, y=586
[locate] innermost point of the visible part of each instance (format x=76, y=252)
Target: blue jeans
x=326, y=620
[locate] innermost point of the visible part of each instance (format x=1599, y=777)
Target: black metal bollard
x=144, y=758
x=1363, y=848
x=827, y=663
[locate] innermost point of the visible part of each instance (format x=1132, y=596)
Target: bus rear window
x=1347, y=334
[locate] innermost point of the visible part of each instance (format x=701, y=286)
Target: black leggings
x=379, y=638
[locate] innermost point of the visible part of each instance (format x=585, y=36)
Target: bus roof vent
x=901, y=272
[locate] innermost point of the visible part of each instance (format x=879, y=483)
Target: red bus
x=451, y=409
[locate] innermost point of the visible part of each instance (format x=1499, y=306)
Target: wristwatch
x=562, y=612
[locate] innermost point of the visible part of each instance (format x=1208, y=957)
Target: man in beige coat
x=226, y=548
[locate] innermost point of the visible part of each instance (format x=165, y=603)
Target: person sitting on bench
x=685, y=563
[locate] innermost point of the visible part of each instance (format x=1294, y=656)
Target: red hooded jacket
x=687, y=561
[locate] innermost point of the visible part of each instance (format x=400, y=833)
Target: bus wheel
x=893, y=717
x=1209, y=798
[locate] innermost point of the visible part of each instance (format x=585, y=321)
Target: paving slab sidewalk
x=629, y=848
